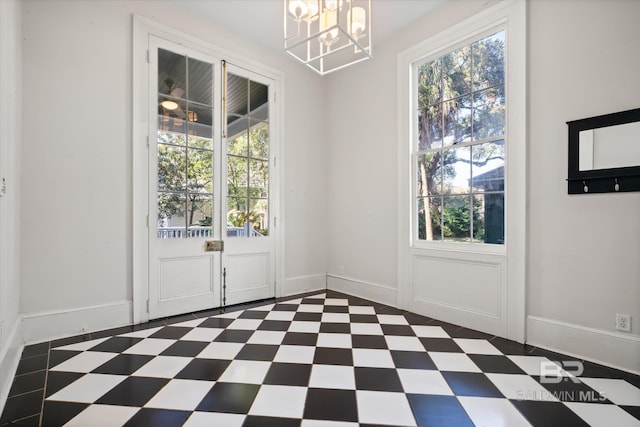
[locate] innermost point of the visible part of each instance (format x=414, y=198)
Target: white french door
x=209, y=197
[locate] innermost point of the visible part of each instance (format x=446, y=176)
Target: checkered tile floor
x=321, y=360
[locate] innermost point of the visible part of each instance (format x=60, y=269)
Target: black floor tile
x=401, y=330
x=123, y=364
x=170, y=332
x=496, y=364
x=151, y=417
x=253, y=314
x=633, y=410
x=336, y=309
x=377, y=379
x=440, y=345
x=307, y=317
x=300, y=338
x=229, y=397
x=335, y=328
x=548, y=414
x=313, y=301
x=467, y=333
x=258, y=352
x=274, y=325
x=363, y=318
x=22, y=406
x=292, y=374
x=71, y=340
x=234, y=335
x=59, y=413
x=133, y=391
x=35, y=350
x=112, y=332
x=27, y=382
x=116, y=344
x=412, y=360
x=255, y=421
x=285, y=307
x=369, y=341
x=204, y=369
x=31, y=421
x=56, y=357
x=32, y=364
x=335, y=405
x=568, y=390
x=333, y=356
x=416, y=319
x=216, y=322
x=57, y=380
x=471, y=384
x=185, y=348
x=438, y=411
x=511, y=348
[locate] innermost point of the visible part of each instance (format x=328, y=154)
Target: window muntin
x=184, y=146
x=459, y=152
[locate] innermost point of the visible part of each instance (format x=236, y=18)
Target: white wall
x=77, y=156
x=10, y=100
x=584, y=250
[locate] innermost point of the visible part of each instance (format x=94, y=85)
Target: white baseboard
x=303, y=284
x=39, y=327
x=9, y=359
x=368, y=290
x=616, y=350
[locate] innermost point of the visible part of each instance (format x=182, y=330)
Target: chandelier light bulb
x=298, y=9
x=328, y=20
x=333, y=4
x=357, y=20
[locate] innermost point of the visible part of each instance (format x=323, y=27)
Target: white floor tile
x=245, y=324
x=88, y=389
x=202, y=334
x=103, y=416
x=619, y=392
x=429, y=331
x=184, y=395
x=84, y=362
x=377, y=407
x=458, y=362
x=336, y=318
x=372, y=358
x=143, y=333
x=310, y=308
x=163, y=367
x=392, y=319
x=366, y=329
x=334, y=340
x=295, y=354
x=209, y=419
x=324, y=423
x=267, y=307
x=317, y=296
x=233, y=314
x=599, y=415
x=521, y=387
x=280, y=315
x=245, y=371
x=267, y=337
x=279, y=401
x=150, y=346
x=471, y=346
x=304, y=326
x=82, y=346
x=333, y=376
x=424, y=382
x=221, y=350
x=486, y=411
x=532, y=364
x=361, y=309
x=336, y=301
x=403, y=343
x=189, y=323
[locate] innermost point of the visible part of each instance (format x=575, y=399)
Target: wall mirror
x=604, y=153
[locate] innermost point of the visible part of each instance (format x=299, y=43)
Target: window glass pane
x=457, y=120
x=171, y=120
x=236, y=216
x=259, y=217
x=200, y=214
x=456, y=69
x=488, y=167
x=488, y=218
x=456, y=170
x=429, y=217
x=237, y=143
x=199, y=126
x=430, y=127
x=259, y=139
x=429, y=174
x=258, y=178
x=258, y=97
x=237, y=173
x=429, y=83
x=171, y=215
x=172, y=69
x=171, y=168
x=488, y=113
x=488, y=61
x=200, y=171
x=200, y=87
x=456, y=218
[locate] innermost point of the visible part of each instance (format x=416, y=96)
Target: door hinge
x=148, y=305
x=275, y=221
x=275, y=161
x=147, y=141
x=148, y=56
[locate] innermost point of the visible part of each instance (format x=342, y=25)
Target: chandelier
x=328, y=35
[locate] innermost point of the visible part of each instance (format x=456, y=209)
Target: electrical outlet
x=623, y=322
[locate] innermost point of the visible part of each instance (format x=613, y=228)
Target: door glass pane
x=184, y=146
x=247, y=157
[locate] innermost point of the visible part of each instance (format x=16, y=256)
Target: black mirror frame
x=600, y=180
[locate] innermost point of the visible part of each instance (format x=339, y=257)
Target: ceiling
x=261, y=20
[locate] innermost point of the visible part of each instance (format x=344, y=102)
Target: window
x=459, y=147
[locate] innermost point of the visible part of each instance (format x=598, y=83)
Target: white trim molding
x=376, y=292
x=46, y=326
x=9, y=359
x=303, y=284
x=617, y=350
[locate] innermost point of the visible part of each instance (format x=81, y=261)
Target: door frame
x=142, y=29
